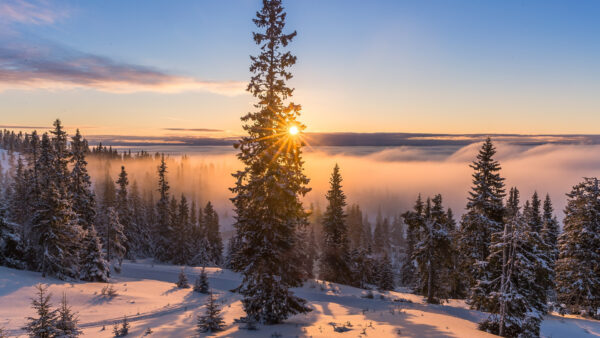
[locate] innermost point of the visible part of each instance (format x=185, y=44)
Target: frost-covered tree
x=66, y=320
x=578, y=265
x=484, y=214
x=516, y=299
x=43, y=325
x=354, y=219
x=57, y=234
x=381, y=235
x=182, y=281
x=11, y=253
x=415, y=220
x=269, y=187
x=115, y=239
x=212, y=320
x=201, y=283
x=433, y=252
x=550, y=233
x=385, y=274
x=84, y=202
x=333, y=265
x=94, y=267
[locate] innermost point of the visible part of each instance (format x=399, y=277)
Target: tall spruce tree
x=484, y=214
x=333, y=265
x=181, y=245
x=163, y=229
x=433, y=252
x=94, y=267
x=550, y=233
x=268, y=189
x=213, y=235
x=66, y=320
x=578, y=265
x=43, y=325
x=84, y=203
x=123, y=208
x=415, y=220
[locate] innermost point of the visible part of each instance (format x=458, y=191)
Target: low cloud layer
x=29, y=12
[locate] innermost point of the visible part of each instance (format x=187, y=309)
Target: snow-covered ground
x=148, y=297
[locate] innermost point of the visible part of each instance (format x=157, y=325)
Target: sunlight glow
x=293, y=130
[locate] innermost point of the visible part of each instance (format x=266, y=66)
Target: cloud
x=207, y=130
x=6, y=126
x=29, y=12
x=54, y=67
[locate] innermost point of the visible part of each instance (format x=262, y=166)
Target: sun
x=293, y=130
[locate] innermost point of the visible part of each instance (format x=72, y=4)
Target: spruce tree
x=335, y=257
x=94, y=267
x=123, y=209
x=550, y=233
x=484, y=214
x=182, y=281
x=115, y=239
x=578, y=265
x=11, y=253
x=84, y=203
x=381, y=235
x=44, y=324
x=432, y=252
x=212, y=320
x=66, y=321
x=201, y=284
x=516, y=299
x=355, y=227
x=163, y=223
x=385, y=274
x=213, y=235
x=181, y=245
x=414, y=220
x=269, y=187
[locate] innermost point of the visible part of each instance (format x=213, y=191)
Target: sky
x=167, y=68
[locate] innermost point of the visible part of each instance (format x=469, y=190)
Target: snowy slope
x=148, y=296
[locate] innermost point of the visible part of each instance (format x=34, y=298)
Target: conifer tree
x=213, y=235
x=84, y=203
x=66, y=321
x=181, y=246
x=11, y=254
x=269, y=188
x=381, y=235
x=182, y=281
x=94, y=267
x=201, y=284
x=517, y=299
x=414, y=220
x=550, y=233
x=123, y=209
x=433, y=252
x=385, y=274
x=484, y=214
x=355, y=227
x=20, y=201
x=212, y=320
x=115, y=239
x=44, y=324
x=578, y=265
x=335, y=257
x=163, y=223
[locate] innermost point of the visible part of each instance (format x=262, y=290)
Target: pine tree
x=269, y=188
x=433, y=252
x=456, y=278
x=57, y=234
x=385, y=274
x=550, y=233
x=381, y=235
x=94, y=267
x=181, y=246
x=115, y=239
x=11, y=253
x=182, y=281
x=84, y=203
x=44, y=324
x=516, y=298
x=414, y=220
x=201, y=284
x=212, y=320
x=335, y=257
x=355, y=227
x=163, y=228
x=123, y=209
x=484, y=214
x=578, y=265
x=66, y=321
x=213, y=235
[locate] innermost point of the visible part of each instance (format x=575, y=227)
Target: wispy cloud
x=30, y=12
x=55, y=67
x=206, y=130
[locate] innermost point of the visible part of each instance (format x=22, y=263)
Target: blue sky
x=363, y=66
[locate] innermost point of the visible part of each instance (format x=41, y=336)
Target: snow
x=147, y=295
